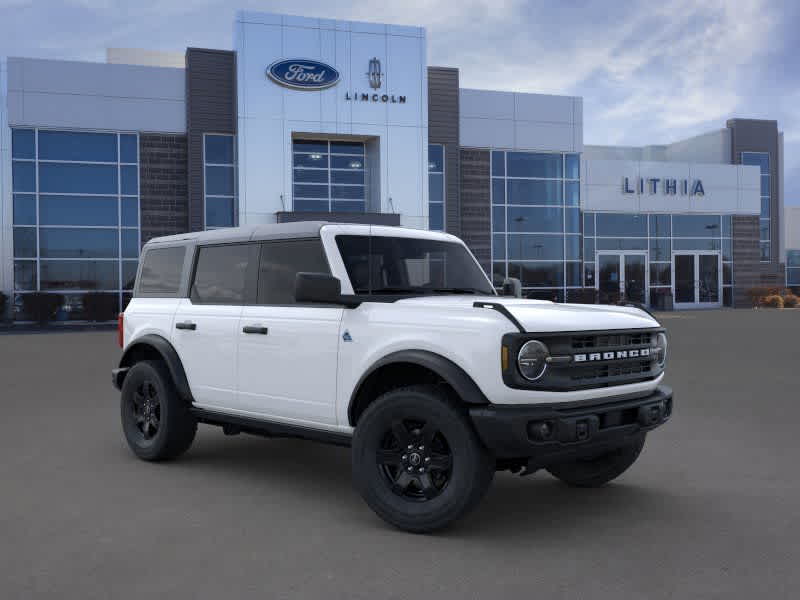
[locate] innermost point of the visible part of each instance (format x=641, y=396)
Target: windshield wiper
x=460, y=290
x=394, y=290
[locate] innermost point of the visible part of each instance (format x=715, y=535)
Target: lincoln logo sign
x=617, y=355
x=302, y=74
x=668, y=186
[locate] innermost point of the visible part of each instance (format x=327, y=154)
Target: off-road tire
x=437, y=496
x=598, y=471
x=176, y=427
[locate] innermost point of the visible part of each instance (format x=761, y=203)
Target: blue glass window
x=530, y=164
x=572, y=247
x=219, y=181
x=435, y=158
x=24, y=242
x=129, y=273
x=793, y=258
x=538, y=274
x=498, y=218
x=535, y=219
x=347, y=192
x=312, y=205
x=621, y=225
x=130, y=212
x=357, y=177
x=727, y=225
x=573, y=274
x=219, y=149
x=24, y=209
x=758, y=159
x=23, y=176
x=621, y=243
x=531, y=191
x=436, y=187
x=129, y=180
x=219, y=212
x=356, y=148
x=535, y=247
x=77, y=146
x=347, y=206
x=696, y=225
x=130, y=243
x=347, y=162
x=660, y=249
x=572, y=191
x=24, y=275
x=77, y=178
x=310, y=146
x=498, y=191
x=78, y=243
x=695, y=244
x=573, y=166
x=498, y=164
x=499, y=246
x=128, y=149
x=77, y=210
x=80, y=275
x=312, y=175
x=23, y=143
x=313, y=161
x=572, y=220
x=588, y=224
x=588, y=249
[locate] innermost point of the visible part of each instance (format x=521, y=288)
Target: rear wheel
x=156, y=422
x=417, y=461
x=598, y=470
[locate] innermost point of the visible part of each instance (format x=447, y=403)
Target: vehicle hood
x=545, y=316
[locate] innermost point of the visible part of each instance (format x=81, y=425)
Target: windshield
x=398, y=265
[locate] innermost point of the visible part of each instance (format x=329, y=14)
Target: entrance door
x=697, y=279
x=622, y=276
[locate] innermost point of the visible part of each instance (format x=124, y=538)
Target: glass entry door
x=697, y=279
x=622, y=276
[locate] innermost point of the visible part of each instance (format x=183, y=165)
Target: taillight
x=120, y=319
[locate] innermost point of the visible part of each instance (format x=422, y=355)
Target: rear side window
x=281, y=262
x=221, y=274
x=161, y=271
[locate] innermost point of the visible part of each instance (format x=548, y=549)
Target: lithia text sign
x=667, y=186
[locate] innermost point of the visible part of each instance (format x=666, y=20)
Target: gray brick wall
x=443, y=128
x=746, y=253
x=476, y=216
x=163, y=185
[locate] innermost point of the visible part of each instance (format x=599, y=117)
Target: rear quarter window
x=161, y=272
x=220, y=275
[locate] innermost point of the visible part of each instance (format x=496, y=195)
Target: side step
x=233, y=424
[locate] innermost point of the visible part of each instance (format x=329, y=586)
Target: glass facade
x=436, y=187
x=219, y=169
x=793, y=268
x=328, y=176
x=536, y=221
x=761, y=160
x=75, y=215
x=658, y=236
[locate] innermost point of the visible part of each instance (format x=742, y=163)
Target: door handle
x=255, y=329
x=186, y=325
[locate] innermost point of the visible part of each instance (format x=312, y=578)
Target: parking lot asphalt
x=710, y=510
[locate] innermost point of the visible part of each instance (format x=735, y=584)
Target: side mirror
x=317, y=287
x=512, y=287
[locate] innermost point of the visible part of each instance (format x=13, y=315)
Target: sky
x=649, y=72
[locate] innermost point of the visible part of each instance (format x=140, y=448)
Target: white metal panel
x=300, y=42
x=363, y=47
x=486, y=104
x=405, y=147
x=486, y=133
x=405, y=78
x=6, y=205
x=261, y=160
x=543, y=107
x=540, y=135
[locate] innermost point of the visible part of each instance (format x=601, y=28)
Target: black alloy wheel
x=146, y=408
x=415, y=459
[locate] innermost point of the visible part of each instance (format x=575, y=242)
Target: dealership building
x=345, y=121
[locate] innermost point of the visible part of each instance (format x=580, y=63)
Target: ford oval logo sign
x=303, y=74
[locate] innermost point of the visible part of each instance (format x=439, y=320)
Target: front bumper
x=552, y=433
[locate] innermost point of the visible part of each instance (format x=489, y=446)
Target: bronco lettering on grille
x=616, y=355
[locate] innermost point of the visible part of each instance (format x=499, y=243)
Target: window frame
x=264, y=243
x=234, y=198
x=250, y=274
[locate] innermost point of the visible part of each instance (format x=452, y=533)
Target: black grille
x=585, y=342
x=603, y=372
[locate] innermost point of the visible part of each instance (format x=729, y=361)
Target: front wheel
x=417, y=461
x=598, y=470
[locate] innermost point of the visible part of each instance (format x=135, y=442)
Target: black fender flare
x=450, y=372
x=167, y=353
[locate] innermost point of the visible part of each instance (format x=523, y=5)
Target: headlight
x=532, y=360
x=661, y=348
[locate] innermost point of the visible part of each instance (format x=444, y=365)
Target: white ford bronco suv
x=389, y=340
